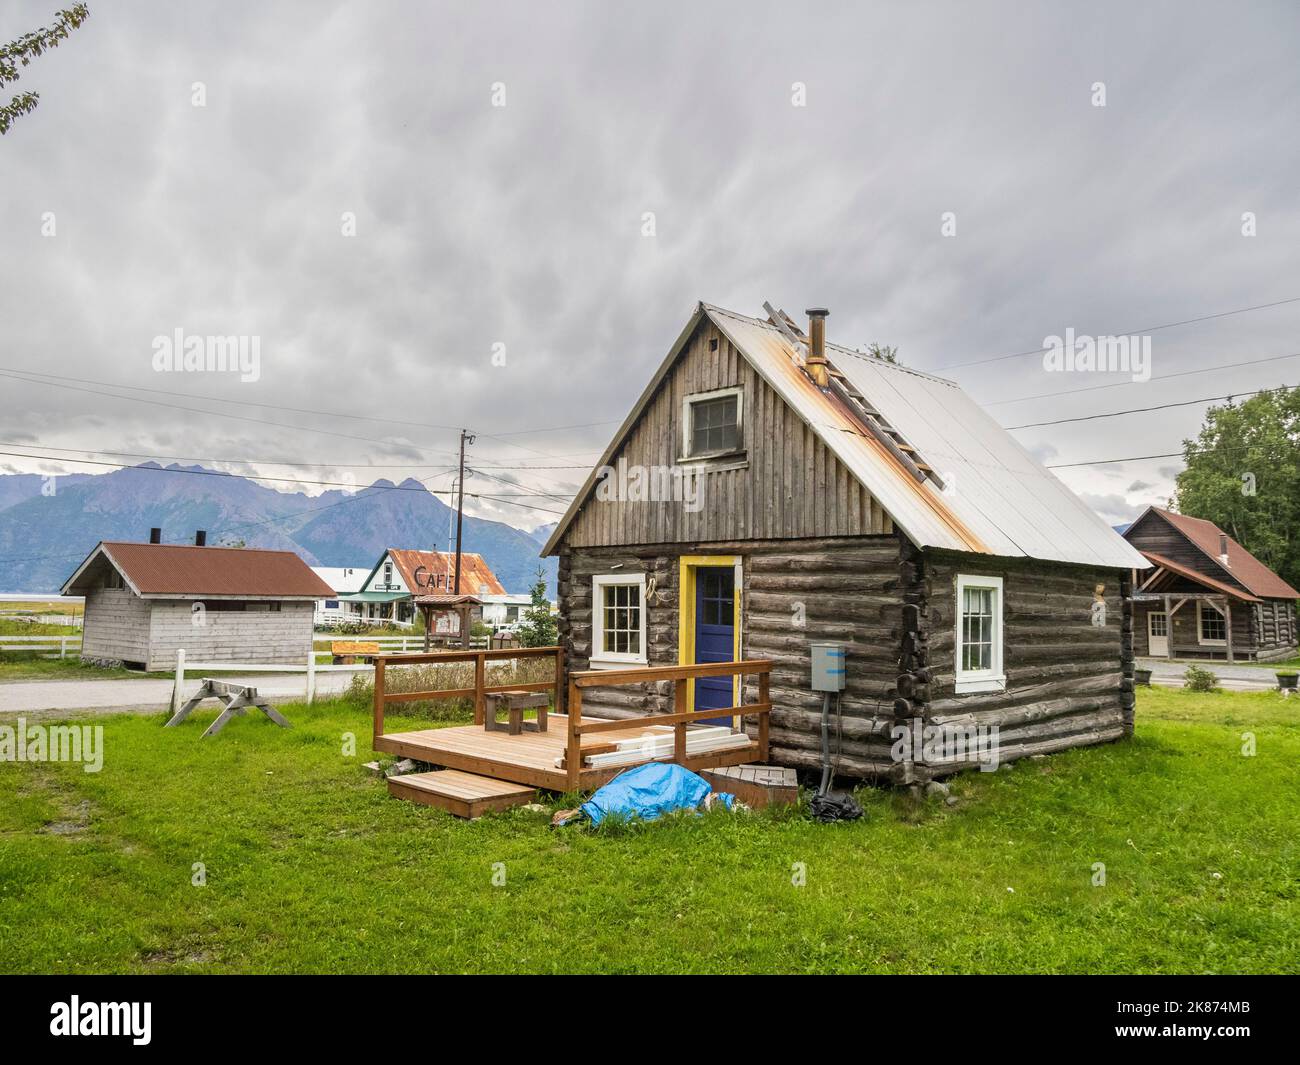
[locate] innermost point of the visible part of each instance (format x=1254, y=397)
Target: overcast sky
x=523, y=225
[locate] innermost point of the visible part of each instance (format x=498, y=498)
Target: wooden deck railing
x=480, y=689
x=681, y=676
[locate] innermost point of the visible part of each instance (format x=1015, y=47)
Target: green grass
x=14, y=627
x=311, y=867
x=31, y=606
x=33, y=665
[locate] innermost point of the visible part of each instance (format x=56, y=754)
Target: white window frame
x=687, y=425
x=601, y=658
x=979, y=680
x=1200, y=638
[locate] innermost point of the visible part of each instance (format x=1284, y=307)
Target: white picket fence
x=62, y=644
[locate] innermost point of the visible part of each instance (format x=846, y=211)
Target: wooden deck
x=529, y=758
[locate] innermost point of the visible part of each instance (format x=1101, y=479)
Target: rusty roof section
x=447, y=600
x=1194, y=575
x=1243, y=567
x=436, y=570
x=183, y=571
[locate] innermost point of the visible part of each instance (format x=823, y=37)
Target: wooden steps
x=463, y=794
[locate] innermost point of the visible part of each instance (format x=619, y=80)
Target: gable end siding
x=792, y=486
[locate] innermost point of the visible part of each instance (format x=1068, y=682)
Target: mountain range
x=47, y=526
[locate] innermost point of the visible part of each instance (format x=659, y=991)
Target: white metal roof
x=997, y=499
x=343, y=579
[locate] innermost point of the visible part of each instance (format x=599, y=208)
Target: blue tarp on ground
x=648, y=792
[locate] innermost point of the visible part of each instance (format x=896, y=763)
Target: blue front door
x=715, y=635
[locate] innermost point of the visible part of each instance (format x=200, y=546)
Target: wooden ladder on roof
x=872, y=420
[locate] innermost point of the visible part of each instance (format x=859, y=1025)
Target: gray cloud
x=521, y=225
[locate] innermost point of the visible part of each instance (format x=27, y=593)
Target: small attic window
x=113, y=579
x=711, y=424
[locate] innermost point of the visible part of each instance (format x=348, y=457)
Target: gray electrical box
x=827, y=666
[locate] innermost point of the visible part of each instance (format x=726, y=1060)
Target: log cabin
x=771, y=493
x=144, y=602
x=1206, y=596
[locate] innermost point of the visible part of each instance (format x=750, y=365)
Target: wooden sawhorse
x=237, y=699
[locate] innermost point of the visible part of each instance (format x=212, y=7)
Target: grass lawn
x=311, y=867
x=33, y=665
x=32, y=606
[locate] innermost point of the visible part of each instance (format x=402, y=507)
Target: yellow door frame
x=687, y=565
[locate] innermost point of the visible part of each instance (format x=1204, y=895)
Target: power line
x=1161, y=377
x=274, y=406
x=1143, y=410
x=286, y=480
x=1167, y=455
x=1125, y=332
x=282, y=462
x=361, y=495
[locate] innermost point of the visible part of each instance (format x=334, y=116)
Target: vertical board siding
x=792, y=486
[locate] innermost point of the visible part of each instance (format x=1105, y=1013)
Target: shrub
x=1200, y=680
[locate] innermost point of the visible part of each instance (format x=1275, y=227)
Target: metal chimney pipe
x=1223, y=548
x=816, y=364
x=155, y=536
x=201, y=538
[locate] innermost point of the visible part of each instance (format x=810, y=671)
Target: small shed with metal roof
x=770, y=491
x=144, y=602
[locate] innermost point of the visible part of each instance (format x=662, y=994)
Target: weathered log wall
x=1069, y=681
x=792, y=591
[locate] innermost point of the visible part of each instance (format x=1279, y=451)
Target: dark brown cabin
x=1206, y=595
x=770, y=490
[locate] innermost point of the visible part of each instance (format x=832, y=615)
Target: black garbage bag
x=835, y=806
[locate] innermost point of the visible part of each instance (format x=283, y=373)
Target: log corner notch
x=1127, y=695
x=912, y=687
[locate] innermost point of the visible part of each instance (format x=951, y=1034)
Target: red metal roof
x=173, y=569
x=476, y=576
x=1242, y=565
x=1200, y=578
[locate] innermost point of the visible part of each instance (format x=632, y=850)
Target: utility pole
x=465, y=438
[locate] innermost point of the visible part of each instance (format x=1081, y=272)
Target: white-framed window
x=979, y=634
x=712, y=423
x=1159, y=623
x=618, y=615
x=1211, y=625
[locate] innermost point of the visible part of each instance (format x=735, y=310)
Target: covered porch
x=1181, y=613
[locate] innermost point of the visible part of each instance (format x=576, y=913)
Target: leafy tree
x=883, y=351
x=537, y=629
x=22, y=51
x=1243, y=474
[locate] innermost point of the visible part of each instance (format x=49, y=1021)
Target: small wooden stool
x=515, y=702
